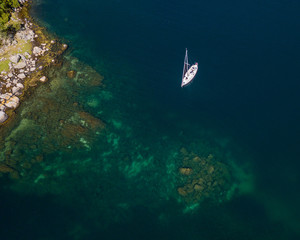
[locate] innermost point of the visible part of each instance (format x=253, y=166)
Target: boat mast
x=186, y=63
x=187, y=60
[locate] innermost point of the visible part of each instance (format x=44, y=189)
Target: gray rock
x=21, y=75
x=43, y=79
x=5, y=96
x=27, y=34
x=20, y=85
x=13, y=102
x=2, y=108
x=3, y=117
x=15, y=58
x=36, y=50
x=15, y=89
x=22, y=57
x=27, y=54
x=20, y=65
x=10, y=75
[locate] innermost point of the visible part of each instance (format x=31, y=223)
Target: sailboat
x=188, y=72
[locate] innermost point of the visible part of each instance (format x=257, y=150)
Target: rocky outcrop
x=23, y=57
x=27, y=35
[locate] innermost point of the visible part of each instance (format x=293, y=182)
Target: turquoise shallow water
x=101, y=158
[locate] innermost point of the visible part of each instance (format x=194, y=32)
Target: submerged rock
x=181, y=191
x=71, y=134
x=64, y=46
x=96, y=82
x=5, y=169
x=91, y=122
x=185, y=171
x=206, y=177
x=71, y=74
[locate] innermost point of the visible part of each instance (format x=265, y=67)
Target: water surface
x=122, y=182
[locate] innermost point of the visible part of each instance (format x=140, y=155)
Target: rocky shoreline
x=24, y=57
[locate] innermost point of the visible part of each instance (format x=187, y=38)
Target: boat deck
x=189, y=75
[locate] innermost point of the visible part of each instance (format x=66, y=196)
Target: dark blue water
x=247, y=52
x=247, y=90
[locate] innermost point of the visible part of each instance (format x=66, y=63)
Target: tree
x=6, y=7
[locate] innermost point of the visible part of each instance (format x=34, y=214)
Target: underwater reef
x=52, y=120
x=203, y=177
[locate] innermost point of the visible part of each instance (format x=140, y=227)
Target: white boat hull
x=189, y=75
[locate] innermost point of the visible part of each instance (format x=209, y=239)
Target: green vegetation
x=21, y=47
x=6, y=7
x=4, y=65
